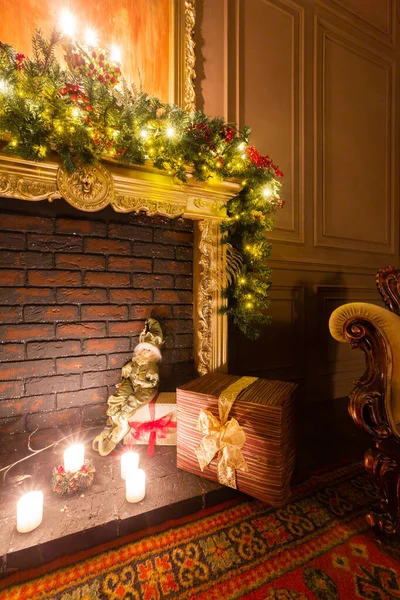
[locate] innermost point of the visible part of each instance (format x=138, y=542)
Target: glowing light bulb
x=67, y=22
x=115, y=53
x=267, y=192
x=249, y=305
x=144, y=134
x=241, y=146
x=242, y=280
x=170, y=132
x=90, y=37
x=75, y=112
x=3, y=86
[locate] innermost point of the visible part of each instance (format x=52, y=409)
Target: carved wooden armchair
x=374, y=403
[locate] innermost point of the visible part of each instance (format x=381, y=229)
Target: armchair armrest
x=374, y=403
x=375, y=400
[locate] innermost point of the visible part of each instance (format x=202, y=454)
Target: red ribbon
x=154, y=427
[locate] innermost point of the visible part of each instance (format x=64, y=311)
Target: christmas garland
x=67, y=482
x=87, y=112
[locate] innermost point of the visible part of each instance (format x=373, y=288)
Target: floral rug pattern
x=318, y=547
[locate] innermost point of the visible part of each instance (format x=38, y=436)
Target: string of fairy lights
x=85, y=111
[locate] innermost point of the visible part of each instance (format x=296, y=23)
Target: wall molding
x=323, y=32
x=234, y=44
x=386, y=36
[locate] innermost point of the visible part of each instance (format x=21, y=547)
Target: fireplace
x=80, y=277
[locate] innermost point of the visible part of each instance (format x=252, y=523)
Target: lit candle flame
x=115, y=53
x=67, y=22
x=90, y=37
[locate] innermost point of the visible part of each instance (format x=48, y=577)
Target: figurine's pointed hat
x=152, y=334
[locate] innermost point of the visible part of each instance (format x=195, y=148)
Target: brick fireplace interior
x=75, y=290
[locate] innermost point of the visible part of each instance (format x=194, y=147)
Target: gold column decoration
x=190, y=57
x=210, y=327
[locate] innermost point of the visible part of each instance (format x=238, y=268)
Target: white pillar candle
x=135, y=485
x=74, y=458
x=129, y=463
x=29, y=511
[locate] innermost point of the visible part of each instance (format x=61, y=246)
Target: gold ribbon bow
x=223, y=437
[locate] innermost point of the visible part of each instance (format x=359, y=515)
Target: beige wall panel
x=270, y=96
x=277, y=350
x=374, y=17
x=354, y=193
x=315, y=80
x=210, y=79
x=342, y=364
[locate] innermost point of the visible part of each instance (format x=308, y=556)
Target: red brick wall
x=74, y=293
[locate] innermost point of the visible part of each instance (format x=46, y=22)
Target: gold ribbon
x=223, y=437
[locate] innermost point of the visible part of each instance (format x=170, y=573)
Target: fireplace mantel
x=144, y=189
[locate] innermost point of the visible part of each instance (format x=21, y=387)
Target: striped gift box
x=265, y=412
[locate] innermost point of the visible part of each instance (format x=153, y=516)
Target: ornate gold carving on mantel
x=190, y=57
x=150, y=207
x=13, y=186
x=89, y=188
x=210, y=326
x=126, y=189
x=214, y=205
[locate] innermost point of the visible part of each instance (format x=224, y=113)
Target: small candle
x=129, y=462
x=135, y=485
x=29, y=511
x=74, y=458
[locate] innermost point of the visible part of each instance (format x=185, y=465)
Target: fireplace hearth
x=100, y=514
x=78, y=279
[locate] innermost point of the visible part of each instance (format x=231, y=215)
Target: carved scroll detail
x=190, y=57
x=216, y=205
x=368, y=408
x=13, y=186
x=205, y=297
x=210, y=326
x=388, y=284
x=385, y=470
x=150, y=207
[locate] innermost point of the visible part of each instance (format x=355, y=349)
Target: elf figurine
x=139, y=385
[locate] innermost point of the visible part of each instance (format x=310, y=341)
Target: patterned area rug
x=318, y=547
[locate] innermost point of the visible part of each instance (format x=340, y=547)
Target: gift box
x=238, y=431
x=155, y=423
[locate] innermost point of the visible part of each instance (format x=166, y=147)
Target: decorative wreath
x=64, y=482
x=87, y=112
